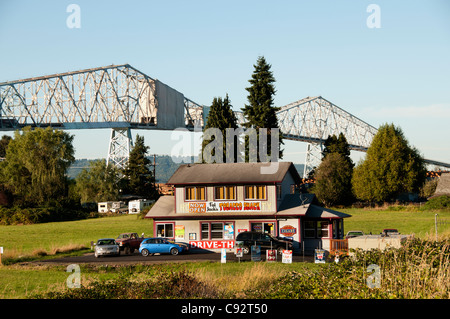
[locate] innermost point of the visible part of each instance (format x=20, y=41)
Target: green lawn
x=19, y=240
x=419, y=223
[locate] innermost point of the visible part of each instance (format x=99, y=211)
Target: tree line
x=33, y=175
x=390, y=168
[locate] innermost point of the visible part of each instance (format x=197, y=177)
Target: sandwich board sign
x=287, y=257
x=223, y=257
x=319, y=256
x=256, y=253
x=271, y=255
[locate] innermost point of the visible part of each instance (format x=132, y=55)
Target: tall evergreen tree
x=260, y=112
x=334, y=174
x=334, y=180
x=339, y=145
x=138, y=178
x=220, y=116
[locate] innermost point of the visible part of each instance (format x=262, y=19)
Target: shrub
x=440, y=202
x=163, y=285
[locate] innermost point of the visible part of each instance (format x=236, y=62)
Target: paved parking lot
x=136, y=258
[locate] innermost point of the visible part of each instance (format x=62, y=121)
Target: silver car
x=106, y=246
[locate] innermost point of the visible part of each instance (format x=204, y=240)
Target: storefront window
x=309, y=227
x=225, y=192
x=217, y=230
x=264, y=227
x=195, y=193
x=255, y=192
x=164, y=230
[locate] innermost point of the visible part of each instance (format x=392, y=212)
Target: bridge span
x=121, y=98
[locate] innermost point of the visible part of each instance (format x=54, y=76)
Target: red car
x=129, y=242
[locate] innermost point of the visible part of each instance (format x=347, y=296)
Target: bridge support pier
x=120, y=145
x=313, y=158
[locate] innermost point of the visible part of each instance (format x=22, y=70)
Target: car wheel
x=246, y=250
x=145, y=252
x=174, y=251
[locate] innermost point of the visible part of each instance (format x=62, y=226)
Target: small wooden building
x=212, y=203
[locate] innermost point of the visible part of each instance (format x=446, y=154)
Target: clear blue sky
x=399, y=73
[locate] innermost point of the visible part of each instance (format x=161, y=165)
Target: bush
x=18, y=215
x=163, y=285
x=440, y=202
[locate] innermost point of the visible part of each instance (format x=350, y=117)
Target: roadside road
x=137, y=258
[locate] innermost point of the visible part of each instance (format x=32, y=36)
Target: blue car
x=152, y=246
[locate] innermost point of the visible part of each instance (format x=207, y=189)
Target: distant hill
x=165, y=167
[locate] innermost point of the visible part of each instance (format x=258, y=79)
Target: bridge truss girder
x=121, y=97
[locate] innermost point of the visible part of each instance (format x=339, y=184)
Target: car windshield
x=106, y=242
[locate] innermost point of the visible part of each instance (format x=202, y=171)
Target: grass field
x=24, y=281
x=18, y=240
x=408, y=220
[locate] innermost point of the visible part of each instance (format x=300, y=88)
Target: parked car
x=152, y=246
x=390, y=231
x=106, y=246
x=129, y=242
x=266, y=241
x=354, y=233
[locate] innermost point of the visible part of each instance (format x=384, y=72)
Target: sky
x=397, y=72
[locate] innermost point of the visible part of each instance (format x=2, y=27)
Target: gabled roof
x=233, y=173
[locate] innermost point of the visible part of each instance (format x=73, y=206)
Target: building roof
x=233, y=173
x=443, y=185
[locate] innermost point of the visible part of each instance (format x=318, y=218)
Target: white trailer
x=135, y=206
x=113, y=207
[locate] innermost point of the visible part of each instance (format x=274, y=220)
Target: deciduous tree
x=391, y=167
x=36, y=163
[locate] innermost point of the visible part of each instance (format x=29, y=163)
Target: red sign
x=288, y=231
x=212, y=244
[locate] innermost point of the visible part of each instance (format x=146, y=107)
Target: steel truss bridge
x=121, y=98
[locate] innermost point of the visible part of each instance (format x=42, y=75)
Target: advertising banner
x=179, y=231
x=319, y=256
x=222, y=206
x=287, y=257
x=212, y=244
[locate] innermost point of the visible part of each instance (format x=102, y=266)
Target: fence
x=339, y=246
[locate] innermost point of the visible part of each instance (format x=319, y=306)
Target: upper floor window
x=225, y=192
x=195, y=193
x=255, y=192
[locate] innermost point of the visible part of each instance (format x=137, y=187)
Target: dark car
x=266, y=241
